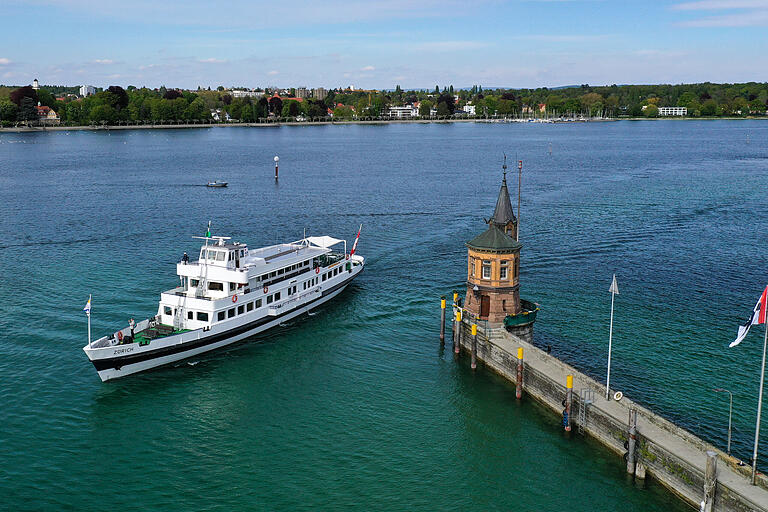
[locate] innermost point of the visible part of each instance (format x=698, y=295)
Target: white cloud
x=714, y=5
x=103, y=61
x=367, y=68
x=4, y=61
x=273, y=73
x=212, y=61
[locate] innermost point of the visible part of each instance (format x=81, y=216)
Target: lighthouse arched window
x=504, y=270
x=486, y=269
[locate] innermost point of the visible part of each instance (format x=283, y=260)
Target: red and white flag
x=758, y=317
x=354, y=246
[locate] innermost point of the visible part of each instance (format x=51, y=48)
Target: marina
x=356, y=406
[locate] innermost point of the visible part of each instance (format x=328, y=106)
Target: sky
x=379, y=44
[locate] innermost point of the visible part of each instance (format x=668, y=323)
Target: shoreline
x=42, y=129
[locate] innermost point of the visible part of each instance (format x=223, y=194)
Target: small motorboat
x=217, y=184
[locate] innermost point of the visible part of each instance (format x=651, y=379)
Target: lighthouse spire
x=503, y=215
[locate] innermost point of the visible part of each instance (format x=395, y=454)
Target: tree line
x=115, y=105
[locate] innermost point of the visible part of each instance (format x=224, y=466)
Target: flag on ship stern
x=757, y=317
x=87, y=307
x=354, y=246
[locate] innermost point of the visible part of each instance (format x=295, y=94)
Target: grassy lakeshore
x=21, y=129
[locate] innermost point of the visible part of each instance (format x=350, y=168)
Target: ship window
x=240, y=309
x=222, y=315
x=325, y=276
x=216, y=286
x=258, y=303
x=189, y=315
x=242, y=253
x=503, y=269
x=277, y=296
x=219, y=256
x=232, y=286
x=249, y=307
x=194, y=282
x=486, y=269
x=273, y=274
x=281, y=271
x=289, y=291
x=269, y=299
x=203, y=317
x=231, y=312
x=167, y=310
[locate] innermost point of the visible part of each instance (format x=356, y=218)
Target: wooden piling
x=474, y=346
x=442, y=320
x=568, y=402
x=519, y=384
x=710, y=481
x=632, y=441
x=457, y=340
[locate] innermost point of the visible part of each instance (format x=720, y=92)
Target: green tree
x=651, y=111
x=103, y=114
x=709, y=108
x=342, y=112
x=8, y=111
x=425, y=108
x=442, y=109
x=27, y=110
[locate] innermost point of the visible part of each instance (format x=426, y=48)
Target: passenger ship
x=227, y=295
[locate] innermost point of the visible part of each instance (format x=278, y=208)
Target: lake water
x=357, y=406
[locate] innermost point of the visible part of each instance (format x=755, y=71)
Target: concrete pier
x=671, y=455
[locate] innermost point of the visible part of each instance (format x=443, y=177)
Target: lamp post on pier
x=730, y=415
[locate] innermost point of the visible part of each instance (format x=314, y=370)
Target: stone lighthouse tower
x=493, y=270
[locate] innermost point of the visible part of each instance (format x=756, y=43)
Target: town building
x=493, y=270
x=301, y=92
x=46, y=115
x=403, y=112
x=246, y=94
x=469, y=109
x=35, y=84
x=320, y=93
x=673, y=111
x=87, y=90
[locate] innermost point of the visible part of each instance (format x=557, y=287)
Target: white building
x=673, y=111
x=469, y=109
x=246, y=94
x=35, y=84
x=87, y=90
x=404, y=112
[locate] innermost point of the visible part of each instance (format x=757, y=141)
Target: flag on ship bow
x=757, y=317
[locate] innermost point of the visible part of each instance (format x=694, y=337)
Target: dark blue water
x=357, y=407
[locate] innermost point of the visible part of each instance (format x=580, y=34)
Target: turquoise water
x=357, y=406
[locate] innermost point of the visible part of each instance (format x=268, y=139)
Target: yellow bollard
x=474, y=346
x=442, y=320
x=455, y=297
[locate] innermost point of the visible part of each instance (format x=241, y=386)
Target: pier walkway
x=673, y=456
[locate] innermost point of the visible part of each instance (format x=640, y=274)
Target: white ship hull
x=128, y=369
x=228, y=295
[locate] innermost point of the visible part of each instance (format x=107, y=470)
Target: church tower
x=493, y=270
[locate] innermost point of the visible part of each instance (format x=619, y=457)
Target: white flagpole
x=759, y=406
x=614, y=291
x=89, y=321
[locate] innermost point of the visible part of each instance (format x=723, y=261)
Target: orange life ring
x=266, y=289
x=317, y=270
x=234, y=298
x=119, y=335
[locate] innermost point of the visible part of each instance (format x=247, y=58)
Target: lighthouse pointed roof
x=503, y=214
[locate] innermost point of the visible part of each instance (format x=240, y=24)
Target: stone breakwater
x=671, y=455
